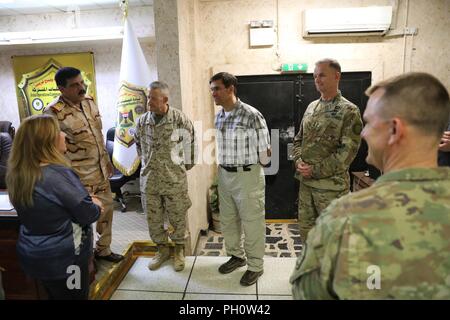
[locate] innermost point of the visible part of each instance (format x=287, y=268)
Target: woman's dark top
x=55, y=232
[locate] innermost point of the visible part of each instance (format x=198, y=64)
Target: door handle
x=290, y=151
x=291, y=132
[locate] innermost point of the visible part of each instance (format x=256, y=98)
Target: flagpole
x=132, y=97
x=124, y=6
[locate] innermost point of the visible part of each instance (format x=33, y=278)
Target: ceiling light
x=66, y=35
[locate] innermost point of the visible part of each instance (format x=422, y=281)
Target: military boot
x=179, y=257
x=162, y=255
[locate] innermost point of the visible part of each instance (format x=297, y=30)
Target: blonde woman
x=55, y=210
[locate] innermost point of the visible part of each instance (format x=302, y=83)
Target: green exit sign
x=294, y=67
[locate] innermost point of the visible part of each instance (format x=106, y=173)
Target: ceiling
x=22, y=7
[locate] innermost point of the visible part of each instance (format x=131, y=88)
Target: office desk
x=361, y=181
x=15, y=283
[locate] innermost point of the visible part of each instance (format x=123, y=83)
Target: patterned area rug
x=282, y=240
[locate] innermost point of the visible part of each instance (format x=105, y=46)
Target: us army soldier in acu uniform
x=391, y=240
x=325, y=146
x=79, y=118
x=166, y=144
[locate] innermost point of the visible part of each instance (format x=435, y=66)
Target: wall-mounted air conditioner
x=347, y=21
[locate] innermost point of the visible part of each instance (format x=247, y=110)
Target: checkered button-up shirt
x=241, y=135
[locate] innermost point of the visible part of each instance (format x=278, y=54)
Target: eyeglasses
x=214, y=89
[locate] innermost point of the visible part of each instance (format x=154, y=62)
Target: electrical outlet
x=411, y=31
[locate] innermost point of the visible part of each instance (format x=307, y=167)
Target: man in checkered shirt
x=243, y=147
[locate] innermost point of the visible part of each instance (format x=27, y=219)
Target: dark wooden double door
x=283, y=99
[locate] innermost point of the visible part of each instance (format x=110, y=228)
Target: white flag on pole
x=132, y=101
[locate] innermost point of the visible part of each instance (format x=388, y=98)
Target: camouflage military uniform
x=88, y=156
x=397, y=230
x=328, y=140
x=163, y=182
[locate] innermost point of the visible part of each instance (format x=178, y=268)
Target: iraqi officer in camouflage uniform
x=325, y=146
x=79, y=118
x=391, y=240
x=166, y=144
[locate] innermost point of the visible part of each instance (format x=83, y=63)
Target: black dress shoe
x=232, y=265
x=250, y=277
x=113, y=257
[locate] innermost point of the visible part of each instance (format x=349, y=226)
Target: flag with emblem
x=132, y=100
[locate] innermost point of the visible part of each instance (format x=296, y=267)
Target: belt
x=235, y=169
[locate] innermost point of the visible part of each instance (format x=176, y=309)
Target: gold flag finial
x=124, y=6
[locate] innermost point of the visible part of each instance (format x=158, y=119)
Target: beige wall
x=431, y=47
x=201, y=174
x=167, y=47
x=107, y=53
x=224, y=43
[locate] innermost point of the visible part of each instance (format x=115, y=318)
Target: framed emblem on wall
x=35, y=84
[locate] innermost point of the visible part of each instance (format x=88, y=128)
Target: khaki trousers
x=242, y=212
x=104, y=223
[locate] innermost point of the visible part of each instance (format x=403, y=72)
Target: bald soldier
x=325, y=146
x=165, y=142
x=391, y=240
x=79, y=118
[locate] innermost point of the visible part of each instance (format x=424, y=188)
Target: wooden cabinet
x=15, y=283
x=361, y=181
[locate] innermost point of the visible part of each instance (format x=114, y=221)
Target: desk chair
x=118, y=179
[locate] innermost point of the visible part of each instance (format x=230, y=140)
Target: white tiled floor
x=145, y=295
x=276, y=275
x=207, y=279
x=139, y=277
x=200, y=280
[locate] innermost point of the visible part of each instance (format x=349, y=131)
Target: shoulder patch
x=57, y=106
x=357, y=128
